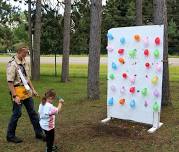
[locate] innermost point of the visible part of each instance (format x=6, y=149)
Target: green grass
x=173, y=56
x=79, y=129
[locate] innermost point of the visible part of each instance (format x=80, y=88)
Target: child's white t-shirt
x=47, y=116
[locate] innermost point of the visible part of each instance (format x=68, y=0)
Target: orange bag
x=22, y=93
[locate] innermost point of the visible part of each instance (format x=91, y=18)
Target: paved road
x=79, y=60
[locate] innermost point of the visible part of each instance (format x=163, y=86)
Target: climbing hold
x=155, y=107
x=137, y=37
x=156, y=93
x=154, y=80
x=132, y=79
x=132, y=90
x=111, y=101
x=109, y=48
x=156, y=53
x=122, y=40
x=146, y=52
x=146, y=104
x=122, y=101
x=132, y=53
x=146, y=41
x=110, y=36
x=122, y=90
x=114, y=66
x=144, y=91
x=132, y=103
x=121, y=51
x=158, y=67
x=157, y=41
x=113, y=88
x=121, y=60
x=147, y=65
x=111, y=76
x=124, y=75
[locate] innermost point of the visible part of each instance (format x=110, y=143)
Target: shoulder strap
x=24, y=81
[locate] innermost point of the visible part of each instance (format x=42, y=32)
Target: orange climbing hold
x=122, y=101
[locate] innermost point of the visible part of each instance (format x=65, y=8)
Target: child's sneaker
x=54, y=148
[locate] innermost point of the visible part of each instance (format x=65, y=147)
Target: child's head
x=49, y=96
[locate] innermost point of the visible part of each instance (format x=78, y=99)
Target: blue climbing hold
x=110, y=36
x=111, y=101
x=122, y=40
x=114, y=66
x=132, y=103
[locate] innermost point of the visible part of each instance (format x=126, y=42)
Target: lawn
x=78, y=129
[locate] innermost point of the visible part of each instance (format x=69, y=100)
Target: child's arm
x=61, y=101
x=55, y=110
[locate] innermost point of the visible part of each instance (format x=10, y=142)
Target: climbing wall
x=135, y=70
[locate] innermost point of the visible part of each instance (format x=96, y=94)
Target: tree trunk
x=138, y=12
x=160, y=17
x=93, y=86
x=66, y=41
x=37, y=35
x=30, y=35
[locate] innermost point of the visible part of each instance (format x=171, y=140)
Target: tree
x=52, y=35
x=147, y=11
x=52, y=20
x=6, y=37
x=9, y=16
x=37, y=35
x=173, y=27
x=138, y=12
x=30, y=37
x=66, y=41
x=117, y=13
x=80, y=27
x=160, y=17
x=20, y=33
x=93, y=86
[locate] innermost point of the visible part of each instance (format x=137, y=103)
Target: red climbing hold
x=147, y=65
x=146, y=52
x=132, y=90
x=121, y=51
x=157, y=41
x=124, y=75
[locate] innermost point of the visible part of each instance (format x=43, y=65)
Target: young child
x=47, y=117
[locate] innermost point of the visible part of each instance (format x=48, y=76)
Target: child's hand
x=60, y=99
x=60, y=103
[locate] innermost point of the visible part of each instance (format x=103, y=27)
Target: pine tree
x=117, y=13
x=93, y=85
x=80, y=26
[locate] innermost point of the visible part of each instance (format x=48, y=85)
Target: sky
x=25, y=7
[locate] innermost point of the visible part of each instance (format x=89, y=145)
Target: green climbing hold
x=132, y=53
x=156, y=53
x=112, y=76
x=155, y=107
x=144, y=92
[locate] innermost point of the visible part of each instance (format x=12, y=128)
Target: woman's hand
x=17, y=100
x=34, y=92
